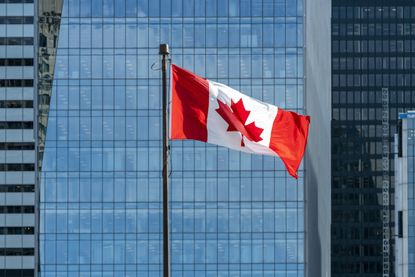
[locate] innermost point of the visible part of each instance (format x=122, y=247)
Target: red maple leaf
x=236, y=116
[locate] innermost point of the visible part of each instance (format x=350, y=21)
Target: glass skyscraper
x=405, y=196
x=98, y=118
x=373, y=80
x=17, y=143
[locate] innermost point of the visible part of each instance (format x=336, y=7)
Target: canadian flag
x=215, y=113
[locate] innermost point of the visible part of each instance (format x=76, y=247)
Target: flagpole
x=164, y=52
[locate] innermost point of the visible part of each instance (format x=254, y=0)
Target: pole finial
x=164, y=49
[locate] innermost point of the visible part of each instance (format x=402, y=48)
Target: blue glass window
x=100, y=180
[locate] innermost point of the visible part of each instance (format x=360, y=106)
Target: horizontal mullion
x=16, y=1
x=16, y=125
x=372, y=37
x=385, y=54
x=17, y=146
x=17, y=188
x=16, y=41
x=17, y=251
x=17, y=210
x=16, y=62
x=28, y=230
x=17, y=167
x=370, y=105
x=16, y=83
x=16, y=20
x=372, y=88
x=373, y=71
x=10, y=104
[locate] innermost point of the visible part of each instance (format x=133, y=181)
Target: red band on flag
x=189, y=105
x=215, y=113
x=289, y=138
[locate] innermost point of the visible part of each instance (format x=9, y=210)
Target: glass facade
x=411, y=198
x=232, y=214
x=17, y=144
x=405, y=196
x=372, y=49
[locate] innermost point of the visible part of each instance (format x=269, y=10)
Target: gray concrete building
x=317, y=160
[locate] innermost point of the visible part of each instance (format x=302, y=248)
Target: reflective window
x=368, y=54
x=231, y=213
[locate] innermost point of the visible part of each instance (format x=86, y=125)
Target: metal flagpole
x=164, y=51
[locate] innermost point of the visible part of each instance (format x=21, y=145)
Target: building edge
x=35, y=130
x=47, y=26
x=317, y=188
